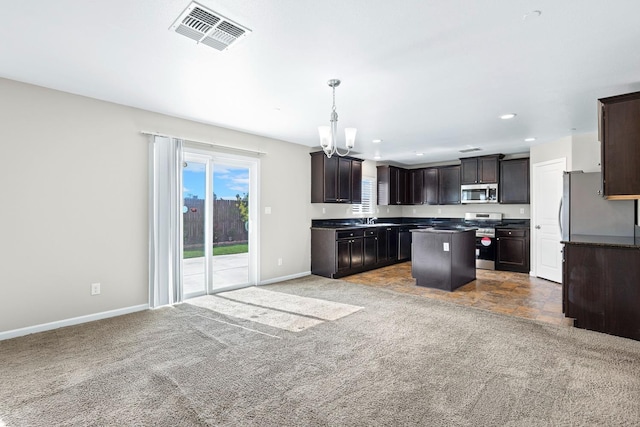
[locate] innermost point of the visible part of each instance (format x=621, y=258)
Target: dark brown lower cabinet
x=387, y=244
x=370, y=248
x=512, y=249
x=341, y=252
x=601, y=288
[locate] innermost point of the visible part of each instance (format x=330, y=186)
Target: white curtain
x=165, y=221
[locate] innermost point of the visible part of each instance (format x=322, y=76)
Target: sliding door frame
x=210, y=157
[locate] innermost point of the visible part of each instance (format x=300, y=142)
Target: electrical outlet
x=521, y=210
x=324, y=210
x=95, y=289
x=279, y=261
x=414, y=211
x=439, y=210
x=267, y=210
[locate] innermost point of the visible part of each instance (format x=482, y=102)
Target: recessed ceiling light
x=376, y=141
x=529, y=139
x=419, y=154
x=376, y=157
x=508, y=116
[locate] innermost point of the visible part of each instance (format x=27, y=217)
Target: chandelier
x=328, y=134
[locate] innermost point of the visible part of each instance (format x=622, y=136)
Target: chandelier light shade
x=328, y=134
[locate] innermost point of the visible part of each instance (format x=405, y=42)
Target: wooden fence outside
x=228, y=227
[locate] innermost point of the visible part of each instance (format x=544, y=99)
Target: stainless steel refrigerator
x=585, y=212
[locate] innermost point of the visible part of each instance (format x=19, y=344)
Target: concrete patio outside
x=227, y=270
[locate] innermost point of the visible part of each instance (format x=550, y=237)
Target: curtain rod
x=213, y=144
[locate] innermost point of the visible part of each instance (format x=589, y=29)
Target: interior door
x=546, y=234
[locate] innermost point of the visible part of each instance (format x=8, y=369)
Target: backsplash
x=338, y=210
x=458, y=211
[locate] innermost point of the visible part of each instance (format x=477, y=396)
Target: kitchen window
x=368, y=198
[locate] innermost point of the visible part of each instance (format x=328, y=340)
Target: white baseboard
x=69, y=322
x=283, y=278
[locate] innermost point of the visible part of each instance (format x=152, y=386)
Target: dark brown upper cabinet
x=619, y=134
x=449, y=185
x=514, y=181
x=393, y=185
x=430, y=188
x=416, y=186
x=335, y=180
x=480, y=170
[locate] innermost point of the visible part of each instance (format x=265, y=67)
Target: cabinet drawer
x=370, y=232
x=347, y=234
x=513, y=232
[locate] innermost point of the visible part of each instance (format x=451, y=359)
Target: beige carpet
x=279, y=310
x=402, y=360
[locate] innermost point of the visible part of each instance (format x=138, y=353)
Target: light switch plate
x=267, y=210
x=445, y=246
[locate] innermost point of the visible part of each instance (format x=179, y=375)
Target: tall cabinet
x=619, y=133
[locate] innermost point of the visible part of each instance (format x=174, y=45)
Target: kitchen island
x=443, y=258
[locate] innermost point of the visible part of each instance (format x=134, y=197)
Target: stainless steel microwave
x=479, y=193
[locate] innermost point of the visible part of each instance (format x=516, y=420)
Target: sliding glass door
x=194, y=221
x=219, y=222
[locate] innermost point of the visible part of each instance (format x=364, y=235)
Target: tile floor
x=515, y=294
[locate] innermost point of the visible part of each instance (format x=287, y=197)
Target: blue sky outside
x=227, y=180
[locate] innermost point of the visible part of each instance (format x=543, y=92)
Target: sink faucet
x=372, y=220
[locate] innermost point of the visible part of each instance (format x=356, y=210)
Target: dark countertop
x=605, y=241
x=358, y=226
x=340, y=224
x=444, y=230
x=511, y=226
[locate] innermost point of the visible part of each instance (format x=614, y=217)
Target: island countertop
x=610, y=241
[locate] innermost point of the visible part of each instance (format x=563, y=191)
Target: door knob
x=537, y=227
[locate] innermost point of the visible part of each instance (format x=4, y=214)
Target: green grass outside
x=219, y=250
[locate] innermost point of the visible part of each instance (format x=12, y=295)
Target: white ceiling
x=428, y=76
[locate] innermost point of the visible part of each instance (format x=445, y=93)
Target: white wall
x=585, y=152
x=73, y=188
x=551, y=151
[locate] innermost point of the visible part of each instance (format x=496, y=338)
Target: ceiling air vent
x=208, y=27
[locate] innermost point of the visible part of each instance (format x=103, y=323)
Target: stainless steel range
x=485, y=237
